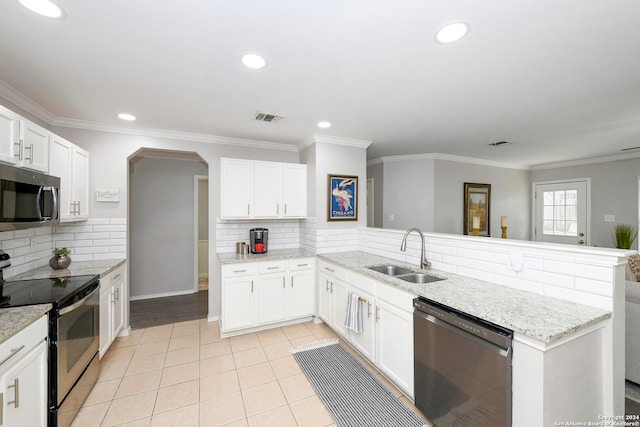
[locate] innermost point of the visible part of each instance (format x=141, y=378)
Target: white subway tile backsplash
x=599, y=301
x=593, y=286
x=562, y=267
x=518, y=283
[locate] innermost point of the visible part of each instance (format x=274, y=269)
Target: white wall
x=339, y=159
x=408, y=194
x=614, y=190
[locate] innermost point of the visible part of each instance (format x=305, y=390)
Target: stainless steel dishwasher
x=462, y=374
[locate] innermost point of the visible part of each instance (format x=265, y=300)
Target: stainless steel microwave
x=27, y=199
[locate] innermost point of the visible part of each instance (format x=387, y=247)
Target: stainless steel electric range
x=74, y=337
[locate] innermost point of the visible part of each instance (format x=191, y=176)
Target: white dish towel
x=353, y=320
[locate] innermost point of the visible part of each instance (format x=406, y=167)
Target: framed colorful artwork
x=477, y=204
x=342, y=198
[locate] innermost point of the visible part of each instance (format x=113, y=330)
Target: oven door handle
x=77, y=304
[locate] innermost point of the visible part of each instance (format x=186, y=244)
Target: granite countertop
x=15, y=319
x=540, y=317
x=273, y=255
x=76, y=268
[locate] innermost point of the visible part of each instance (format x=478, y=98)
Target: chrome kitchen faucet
x=403, y=247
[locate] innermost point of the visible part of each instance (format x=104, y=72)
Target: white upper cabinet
x=236, y=188
x=256, y=189
x=23, y=143
x=9, y=135
x=71, y=164
x=34, y=143
x=294, y=190
x=267, y=188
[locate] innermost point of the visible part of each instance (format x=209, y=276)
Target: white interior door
x=561, y=212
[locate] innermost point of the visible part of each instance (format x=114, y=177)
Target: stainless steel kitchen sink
x=419, y=278
x=404, y=273
x=390, y=270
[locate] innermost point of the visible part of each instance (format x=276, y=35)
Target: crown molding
x=447, y=157
x=590, y=161
x=329, y=139
x=10, y=94
x=168, y=134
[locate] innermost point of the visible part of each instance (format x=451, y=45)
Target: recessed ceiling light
x=127, y=117
x=44, y=8
x=452, y=32
x=254, y=61
x=324, y=124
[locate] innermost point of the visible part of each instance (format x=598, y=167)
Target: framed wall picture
x=342, y=198
x=477, y=204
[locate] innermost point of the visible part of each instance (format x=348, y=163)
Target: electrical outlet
x=609, y=218
x=392, y=217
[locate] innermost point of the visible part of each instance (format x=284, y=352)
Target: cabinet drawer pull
x=248, y=209
x=116, y=277
x=14, y=351
x=283, y=284
x=377, y=313
x=285, y=208
x=252, y=286
x=327, y=287
x=368, y=309
x=239, y=271
x=328, y=269
x=302, y=265
x=273, y=268
x=292, y=281
x=277, y=208
x=16, y=389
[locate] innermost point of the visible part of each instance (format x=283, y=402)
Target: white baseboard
x=213, y=318
x=162, y=295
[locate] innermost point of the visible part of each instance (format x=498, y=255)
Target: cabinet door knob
x=377, y=313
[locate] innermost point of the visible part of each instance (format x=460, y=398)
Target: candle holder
x=475, y=231
x=504, y=232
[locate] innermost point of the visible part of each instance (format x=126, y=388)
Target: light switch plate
x=609, y=218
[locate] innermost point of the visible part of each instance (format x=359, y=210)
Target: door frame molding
x=196, y=180
x=534, y=210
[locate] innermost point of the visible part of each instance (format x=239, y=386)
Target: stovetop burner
x=55, y=291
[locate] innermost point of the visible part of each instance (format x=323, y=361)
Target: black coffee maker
x=258, y=238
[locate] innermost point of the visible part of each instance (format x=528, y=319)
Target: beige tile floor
x=184, y=374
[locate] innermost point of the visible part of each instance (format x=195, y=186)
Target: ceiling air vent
x=267, y=117
x=499, y=143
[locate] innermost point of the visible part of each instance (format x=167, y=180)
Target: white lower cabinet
x=301, y=288
x=394, y=336
x=23, y=377
x=272, y=295
x=365, y=341
x=387, y=313
x=263, y=295
x=112, y=306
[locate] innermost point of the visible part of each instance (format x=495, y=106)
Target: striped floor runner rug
x=351, y=394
